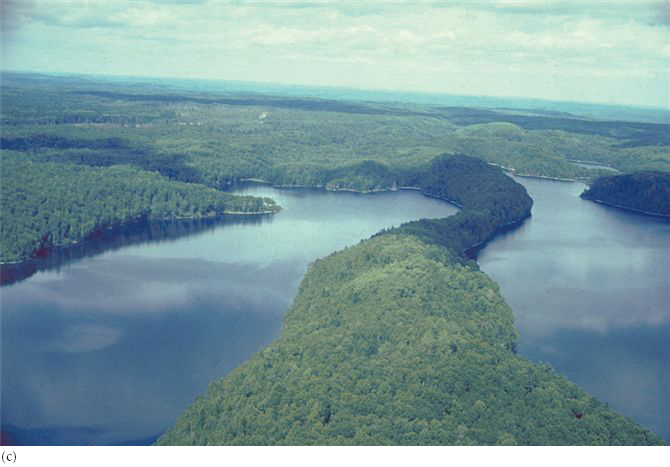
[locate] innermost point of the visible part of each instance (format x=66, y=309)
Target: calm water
x=111, y=348
x=590, y=290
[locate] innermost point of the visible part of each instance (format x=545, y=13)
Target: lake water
x=590, y=290
x=111, y=348
x=114, y=344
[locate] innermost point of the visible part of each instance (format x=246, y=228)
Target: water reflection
x=137, y=233
x=110, y=348
x=590, y=290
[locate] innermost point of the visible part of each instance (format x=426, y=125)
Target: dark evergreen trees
x=44, y=203
x=647, y=192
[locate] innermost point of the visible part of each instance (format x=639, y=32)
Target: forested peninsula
x=73, y=126
x=45, y=204
x=645, y=192
x=397, y=340
x=401, y=340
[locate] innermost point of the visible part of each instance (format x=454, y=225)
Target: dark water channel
x=114, y=339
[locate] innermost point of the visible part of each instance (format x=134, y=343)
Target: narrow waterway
x=590, y=290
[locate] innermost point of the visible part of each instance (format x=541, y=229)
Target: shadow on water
x=11, y=435
x=104, y=240
x=473, y=252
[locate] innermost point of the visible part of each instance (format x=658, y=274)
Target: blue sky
x=612, y=52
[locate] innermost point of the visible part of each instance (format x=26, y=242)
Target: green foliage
x=400, y=341
x=217, y=139
x=647, y=192
x=45, y=204
x=391, y=343
x=490, y=201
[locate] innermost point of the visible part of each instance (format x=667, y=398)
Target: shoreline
x=472, y=252
x=353, y=190
x=127, y=224
x=136, y=221
x=594, y=163
x=625, y=208
x=512, y=171
x=466, y=251
x=543, y=177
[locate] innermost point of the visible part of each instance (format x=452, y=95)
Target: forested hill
x=216, y=138
x=401, y=341
x=647, y=192
x=495, y=201
x=44, y=204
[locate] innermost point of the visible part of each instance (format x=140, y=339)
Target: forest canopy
x=400, y=340
x=647, y=192
x=46, y=203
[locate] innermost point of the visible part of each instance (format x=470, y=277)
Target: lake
x=590, y=290
x=114, y=343
x=110, y=348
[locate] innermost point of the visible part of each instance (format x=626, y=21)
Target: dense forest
x=494, y=202
x=400, y=340
x=45, y=204
x=647, y=192
x=217, y=139
x=397, y=340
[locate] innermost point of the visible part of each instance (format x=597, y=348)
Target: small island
x=644, y=192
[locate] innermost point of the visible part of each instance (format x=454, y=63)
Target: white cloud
x=146, y=17
x=475, y=48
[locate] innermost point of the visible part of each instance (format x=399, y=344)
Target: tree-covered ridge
x=218, y=138
x=392, y=343
x=490, y=200
x=647, y=192
x=44, y=203
x=401, y=340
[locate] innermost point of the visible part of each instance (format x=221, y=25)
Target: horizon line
x=334, y=87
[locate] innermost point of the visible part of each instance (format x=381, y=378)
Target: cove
x=109, y=347
x=590, y=289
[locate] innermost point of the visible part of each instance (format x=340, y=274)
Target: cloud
x=11, y=13
x=85, y=338
x=662, y=13
x=91, y=14
x=549, y=49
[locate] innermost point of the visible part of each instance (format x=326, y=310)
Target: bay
x=111, y=347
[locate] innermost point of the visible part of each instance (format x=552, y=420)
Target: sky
x=606, y=52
